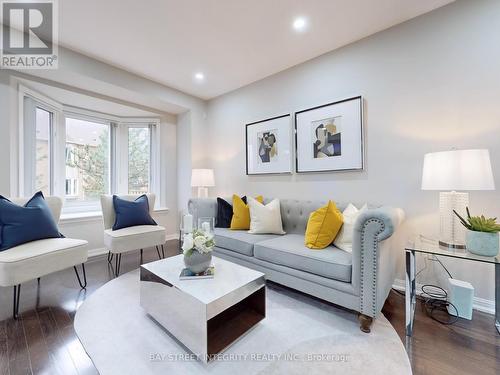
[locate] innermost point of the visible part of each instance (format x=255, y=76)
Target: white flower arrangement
x=200, y=241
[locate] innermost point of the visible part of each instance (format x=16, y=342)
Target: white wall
x=430, y=84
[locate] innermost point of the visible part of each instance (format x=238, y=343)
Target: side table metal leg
x=497, y=296
x=411, y=291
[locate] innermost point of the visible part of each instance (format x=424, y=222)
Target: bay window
x=88, y=162
x=80, y=155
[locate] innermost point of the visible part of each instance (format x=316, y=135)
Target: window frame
x=154, y=167
x=51, y=147
x=88, y=116
x=118, y=152
x=26, y=184
x=121, y=145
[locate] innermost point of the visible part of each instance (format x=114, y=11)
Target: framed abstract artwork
x=330, y=137
x=269, y=145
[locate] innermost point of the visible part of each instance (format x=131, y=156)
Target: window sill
x=79, y=217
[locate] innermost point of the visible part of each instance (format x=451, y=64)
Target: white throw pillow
x=344, y=238
x=265, y=218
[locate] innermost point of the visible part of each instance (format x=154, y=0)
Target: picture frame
x=269, y=146
x=329, y=137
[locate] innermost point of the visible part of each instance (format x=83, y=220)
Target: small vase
x=482, y=243
x=198, y=262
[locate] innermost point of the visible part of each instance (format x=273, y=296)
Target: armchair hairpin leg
x=162, y=251
x=84, y=284
x=110, y=257
x=142, y=252
x=118, y=263
x=38, y=281
x=158, y=252
x=15, y=306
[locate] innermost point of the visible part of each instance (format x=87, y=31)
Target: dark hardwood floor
x=43, y=340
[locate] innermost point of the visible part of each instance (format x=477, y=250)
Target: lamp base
x=202, y=192
x=451, y=245
x=452, y=232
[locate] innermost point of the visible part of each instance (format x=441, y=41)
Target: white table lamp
x=202, y=179
x=457, y=170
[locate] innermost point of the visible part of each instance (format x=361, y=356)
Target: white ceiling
x=233, y=42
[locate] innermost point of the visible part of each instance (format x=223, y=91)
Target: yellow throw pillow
x=323, y=226
x=241, y=213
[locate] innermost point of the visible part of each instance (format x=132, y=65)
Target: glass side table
x=425, y=245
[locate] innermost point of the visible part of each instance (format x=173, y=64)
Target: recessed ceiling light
x=199, y=76
x=299, y=24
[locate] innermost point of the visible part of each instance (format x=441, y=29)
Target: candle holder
x=185, y=226
x=206, y=224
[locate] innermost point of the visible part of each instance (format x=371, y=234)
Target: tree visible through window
x=139, y=151
x=87, y=161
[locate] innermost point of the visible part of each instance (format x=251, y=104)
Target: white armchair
x=132, y=238
x=39, y=258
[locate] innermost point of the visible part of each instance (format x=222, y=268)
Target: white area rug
x=300, y=335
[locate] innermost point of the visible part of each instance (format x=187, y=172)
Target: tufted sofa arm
x=374, y=259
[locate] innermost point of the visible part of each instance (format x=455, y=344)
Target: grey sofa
x=359, y=281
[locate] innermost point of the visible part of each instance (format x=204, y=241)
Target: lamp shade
x=458, y=170
x=202, y=177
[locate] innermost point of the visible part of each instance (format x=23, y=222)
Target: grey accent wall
x=429, y=84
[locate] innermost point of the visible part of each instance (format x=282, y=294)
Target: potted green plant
x=482, y=234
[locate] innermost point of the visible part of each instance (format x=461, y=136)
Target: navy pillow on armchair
x=21, y=224
x=132, y=213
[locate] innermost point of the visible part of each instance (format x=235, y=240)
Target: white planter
x=482, y=243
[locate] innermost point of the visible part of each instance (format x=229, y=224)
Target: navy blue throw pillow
x=131, y=213
x=21, y=224
x=225, y=213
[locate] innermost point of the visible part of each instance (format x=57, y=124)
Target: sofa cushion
x=239, y=241
x=290, y=251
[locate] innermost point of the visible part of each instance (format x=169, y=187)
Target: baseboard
x=171, y=237
x=101, y=251
x=96, y=252
x=479, y=304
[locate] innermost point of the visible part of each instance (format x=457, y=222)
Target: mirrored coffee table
x=425, y=245
x=205, y=315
